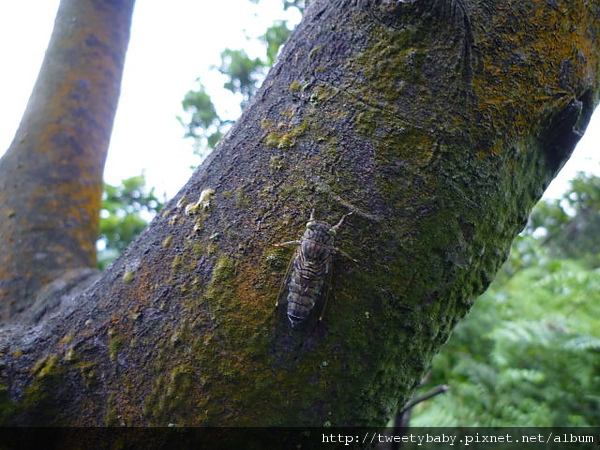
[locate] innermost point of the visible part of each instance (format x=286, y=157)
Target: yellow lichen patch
x=87, y=371
x=176, y=264
x=295, y=86
x=173, y=220
x=48, y=365
x=182, y=201
x=266, y=124
x=128, y=276
x=67, y=339
x=70, y=355
x=283, y=135
x=166, y=243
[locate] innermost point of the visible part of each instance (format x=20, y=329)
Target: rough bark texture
x=51, y=176
x=439, y=123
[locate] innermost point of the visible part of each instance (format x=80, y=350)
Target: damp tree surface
x=438, y=124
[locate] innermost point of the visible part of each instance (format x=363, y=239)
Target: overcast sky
x=172, y=44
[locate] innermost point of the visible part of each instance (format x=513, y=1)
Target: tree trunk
x=51, y=176
x=437, y=123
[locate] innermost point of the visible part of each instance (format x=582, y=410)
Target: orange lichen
x=52, y=172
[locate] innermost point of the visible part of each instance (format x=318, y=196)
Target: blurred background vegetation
x=126, y=211
x=528, y=354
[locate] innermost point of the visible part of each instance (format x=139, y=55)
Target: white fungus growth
x=203, y=202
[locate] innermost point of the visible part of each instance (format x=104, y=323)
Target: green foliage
x=274, y=38
x=204, y=112
x=204, y=124
x=243, y=73
x=126, y=211
x=243, y=76
x=528, y=355
x=529, y=352
x=571, y=224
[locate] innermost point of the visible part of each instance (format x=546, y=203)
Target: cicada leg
x=328, y=282
x=339, y=224
x=287, y=243
x=343, y=253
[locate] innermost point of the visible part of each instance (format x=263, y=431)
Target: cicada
x=310, y=268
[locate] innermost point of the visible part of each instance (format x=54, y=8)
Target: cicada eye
x=311, y=225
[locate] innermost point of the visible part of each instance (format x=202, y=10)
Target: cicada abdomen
x=310, y=268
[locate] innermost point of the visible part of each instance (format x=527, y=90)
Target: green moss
x=203, y=203
x=8, y=408
x=219, y=291
x=289, y=112
x=223, y=270
x=266, y=124
x=70, y=355
x=295, y=86
x=213, y=245
x=175, y=391
x=39, y=399
x=277, y=259
x=315, y=51
x=198, y=251
x=275, y=163
x=320, y=94
x=46, y=366
x=182, y=201
x=242, y=200
x=302, y=128
x=115, y=343
x=285, y=135
x=67, y=339
x=272, y=139
x=88, y=373
x=111, y=418
x=182, y=383
x=176, y=264
x=166, y=243
x=174, y=220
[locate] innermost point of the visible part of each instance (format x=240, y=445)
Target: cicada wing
x=284, y=287
x=326, y=290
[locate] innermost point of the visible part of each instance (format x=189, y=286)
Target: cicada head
x=318, y=232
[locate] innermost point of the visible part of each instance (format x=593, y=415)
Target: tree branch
x=367, y=107
x=51, y=176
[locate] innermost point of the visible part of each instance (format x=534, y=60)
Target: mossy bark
x=51, y=176
x=439, y=123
